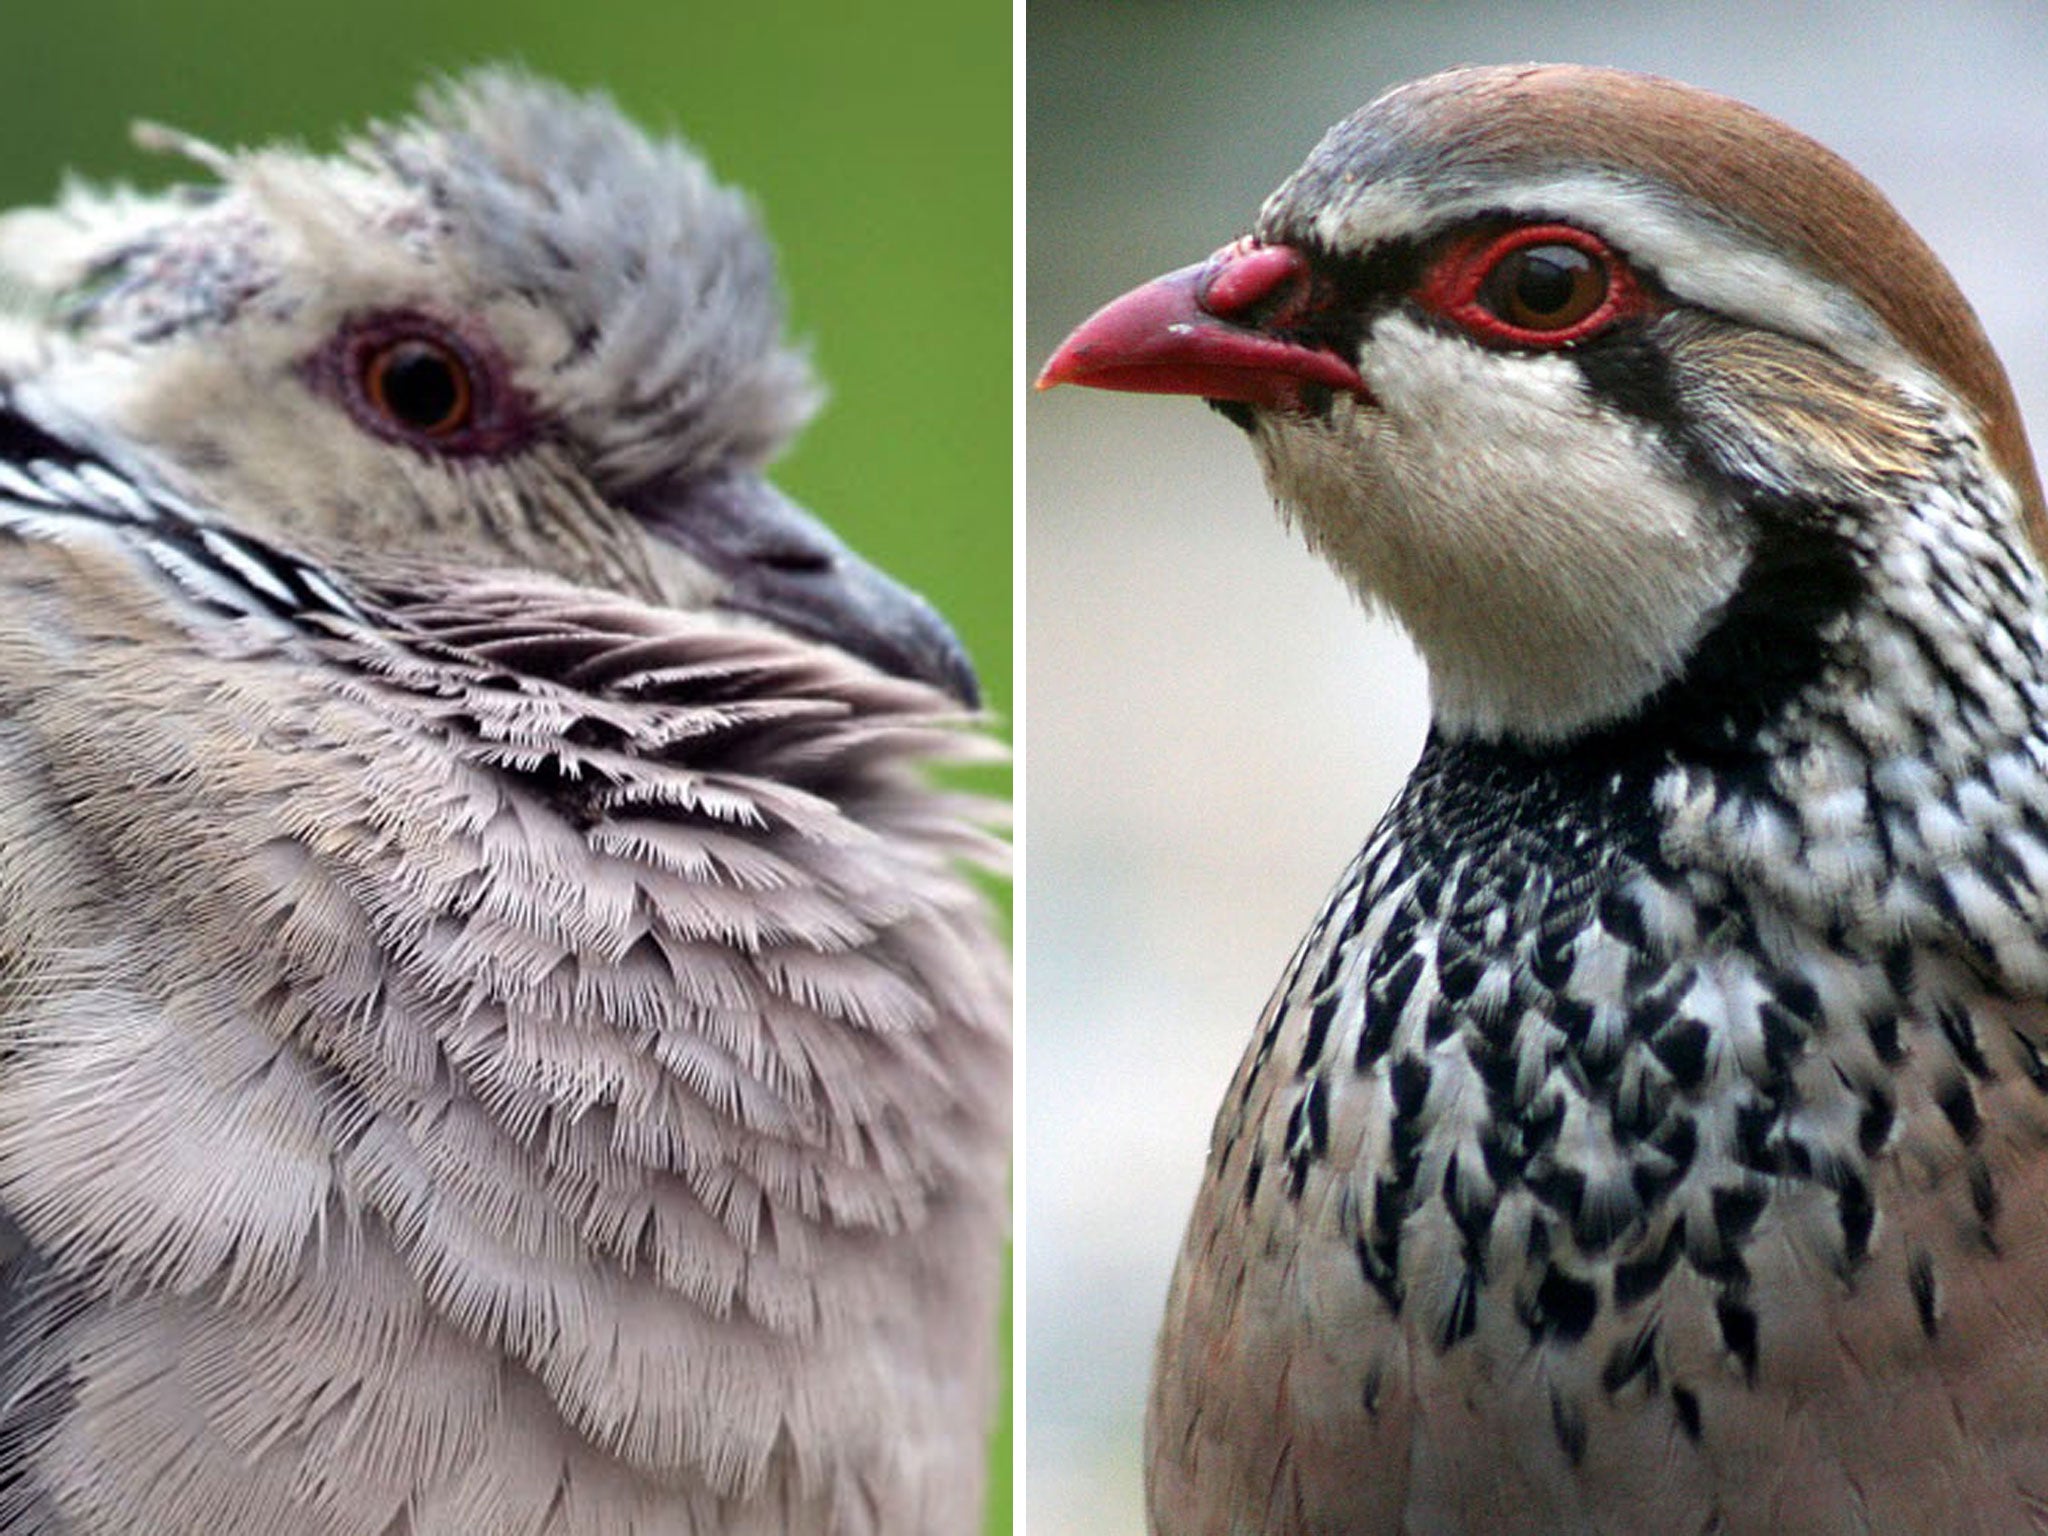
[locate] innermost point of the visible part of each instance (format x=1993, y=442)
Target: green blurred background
x=875, y=139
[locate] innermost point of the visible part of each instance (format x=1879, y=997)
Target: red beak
x=1208, y=330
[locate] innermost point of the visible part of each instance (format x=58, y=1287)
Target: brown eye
x=419, y=385
x=441, y=386
x=1544, y=287
x=1533, y=286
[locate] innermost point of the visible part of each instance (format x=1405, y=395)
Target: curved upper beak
x=783, y=565
x=1216, y=329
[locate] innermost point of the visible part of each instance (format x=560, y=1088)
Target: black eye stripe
x=1351, y=292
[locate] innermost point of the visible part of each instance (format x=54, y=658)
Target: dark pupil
x=419, y=384
x=1549, y=278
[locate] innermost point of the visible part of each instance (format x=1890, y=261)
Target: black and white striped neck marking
x=1605, y=1009
x=54, y=489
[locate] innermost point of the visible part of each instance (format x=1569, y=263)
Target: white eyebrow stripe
x=1698, y=255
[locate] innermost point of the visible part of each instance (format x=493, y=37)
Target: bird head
x=510, y=332
x=1618, y=393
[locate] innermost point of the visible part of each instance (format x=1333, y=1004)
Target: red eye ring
x=1474, y=285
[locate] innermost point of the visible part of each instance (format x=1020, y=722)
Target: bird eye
x=1538, y=285
x=1544, y=287
x=440, y=387
x=419, y=385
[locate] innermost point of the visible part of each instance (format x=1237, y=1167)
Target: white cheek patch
x=1553, y=568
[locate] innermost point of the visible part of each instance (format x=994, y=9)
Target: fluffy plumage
x=498, y=1034
x=1651, y=1132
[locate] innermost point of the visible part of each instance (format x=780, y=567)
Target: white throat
x=1549, y=592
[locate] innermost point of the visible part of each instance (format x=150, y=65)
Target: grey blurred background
x=1213, y=726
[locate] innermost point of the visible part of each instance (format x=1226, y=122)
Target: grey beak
x=783, y=565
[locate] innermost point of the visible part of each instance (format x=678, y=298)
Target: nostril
x=790, y=560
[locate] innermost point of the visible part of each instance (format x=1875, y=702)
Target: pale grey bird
x=497, y=1033
x=1651, y=1134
